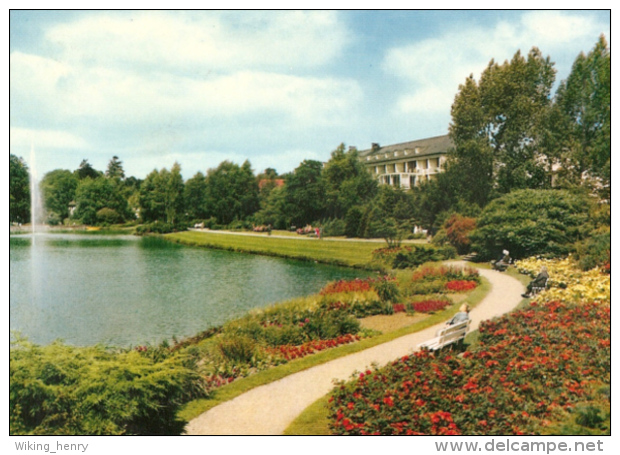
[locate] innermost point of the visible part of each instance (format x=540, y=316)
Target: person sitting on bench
x=539, y=282
x=504, y=261
x=461, y=316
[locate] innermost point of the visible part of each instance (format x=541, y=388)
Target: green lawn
x=337, y=252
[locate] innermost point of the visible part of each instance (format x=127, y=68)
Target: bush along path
x=269, y=409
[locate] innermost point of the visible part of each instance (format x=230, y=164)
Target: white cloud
x=150, y=69
x=204, y=40
x=48, y=139
x=119, y=97
x=435, y=67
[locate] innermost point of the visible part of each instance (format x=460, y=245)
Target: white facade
x=406, y=165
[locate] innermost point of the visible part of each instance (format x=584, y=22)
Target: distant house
x=406, y=165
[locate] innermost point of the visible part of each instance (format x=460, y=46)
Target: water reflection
x=126, y=290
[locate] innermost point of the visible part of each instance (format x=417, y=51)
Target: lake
x=127, y=290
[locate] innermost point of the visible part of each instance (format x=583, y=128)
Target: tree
x=274, y=210
x=581, y=127
x=174, y=195
x=458, y=229
x=496, y=128
x=151, y=198
x=532, y=222
x=305, y=193
x=347, y=182
x=58, y=190
x=195, y=195
x=161, y=196
x=92, y=195
x=19, y=190
x=115, y=169
x=389, y=215
x=232, y=192
x=87, y=171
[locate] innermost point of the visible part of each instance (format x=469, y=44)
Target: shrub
x=387, y=289
x=238, y=348
x=331, y=324
x=108, y=216
x=159, y=228
x=370, y=308
x=425, y=287
x=334, y=227
x=413, y=256
x=458, y=229
x=531, y=223
x=64, y=390
x=595, y=251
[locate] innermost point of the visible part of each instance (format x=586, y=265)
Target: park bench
x=537, y=289
x=447, y=336
x=501, y=266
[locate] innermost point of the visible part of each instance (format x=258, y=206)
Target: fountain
x=35, y=196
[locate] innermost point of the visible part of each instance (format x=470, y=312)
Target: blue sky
x=272, y=87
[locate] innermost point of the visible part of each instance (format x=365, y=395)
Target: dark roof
x=428, y=146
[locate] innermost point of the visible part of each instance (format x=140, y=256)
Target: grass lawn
x=337, y=252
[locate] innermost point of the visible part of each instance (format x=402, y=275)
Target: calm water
x=125, y=290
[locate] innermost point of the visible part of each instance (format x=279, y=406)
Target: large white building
x=406, y=165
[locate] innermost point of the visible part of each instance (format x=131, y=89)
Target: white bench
x=449, y=335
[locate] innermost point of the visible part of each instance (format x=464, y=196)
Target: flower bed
x=424, y=306
x=461, y=285
x=356, y=285
x=290, y=352
x=530, y=368
x=567, y=282
x=430, y=306
x=448, y=272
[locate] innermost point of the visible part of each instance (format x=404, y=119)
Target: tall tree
x=305, y=193
x=151, y=199
x=58, y=190
x=86, y=171
x=115, y=169
x=232, y=192
x=347, y=182
x=496, y=130
x=582, y=119
x=174, y=195
x=93, y=195
x=195, y=195
x=19, y=190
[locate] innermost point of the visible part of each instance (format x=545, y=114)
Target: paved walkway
x=270, y=409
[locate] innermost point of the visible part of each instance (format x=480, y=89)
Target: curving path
x=270, y=409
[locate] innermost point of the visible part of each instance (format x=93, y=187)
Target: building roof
x=429, y=146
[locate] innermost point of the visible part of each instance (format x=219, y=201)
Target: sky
x=271, y=87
